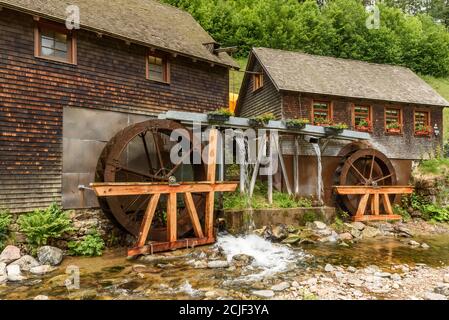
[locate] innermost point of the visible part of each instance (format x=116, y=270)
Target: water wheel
x=141, y=153
x=364, y=167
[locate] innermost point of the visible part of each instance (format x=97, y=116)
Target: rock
x=295, y=284
x=218, y=264
x=355, y=282
x=3, y=278
x=280, y=286
x=358, y=225
x=352, y=269
x=242, y=259
x=318, y=225
x=49, y=255
x=413, y=243
x=370, y=232
x=292, y=238
x=425, y=245
x=355, y=233
x=2, y=268
x=442, y=289
x=26, y=263
x=396, y=277
x=345, y=236
x=434, y=296
x=446, y=278
x=382, y=274
x=14, y=274
x=200, y=264
x=279, y=232
x=10, y=254
x=263, y=293
x=403, y=231
x=41, y=297
x=328, y=268
x=43, y=269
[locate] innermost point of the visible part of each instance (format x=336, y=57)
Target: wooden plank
x=387, y=204
x=209, y=215
x=190, y=205
x=381, y=217
x=283, y=168
x=295, y=167
x=362, y=205
x=164, y=246
x=171, y=217
x=137, y=189
x=257, y=165
x=376, y=204
x=347, y=190
x=147, y=219
x=212, y=156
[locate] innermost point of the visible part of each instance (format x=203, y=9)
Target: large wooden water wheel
x=141, y=153
x=365, y=167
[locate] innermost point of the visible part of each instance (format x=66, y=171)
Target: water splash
x=319, y=187
x=270, y=258
x=188, y=289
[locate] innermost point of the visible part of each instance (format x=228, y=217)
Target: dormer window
x=158, y=68
x=54, y=42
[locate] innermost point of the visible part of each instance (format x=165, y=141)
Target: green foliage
x=339, y=126
x=297, y=122
x=336, y=28
x=92, y=245
x=435, y=213
x=438, y=166
x=5, y=221
x=223, y=111
x=398, y=209
x=264, y=118
x=441, y=85
x=339, y=225
x=41, y=226
x=309, y=216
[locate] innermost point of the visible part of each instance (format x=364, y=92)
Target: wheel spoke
x=358, y=172
x=180, y=162
x=132, y=203
x=383, y=178
x=147, y=153
x=158, y=149
x=372, y=167
x=137, y=173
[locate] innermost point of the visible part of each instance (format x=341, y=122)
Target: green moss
x=309, y=216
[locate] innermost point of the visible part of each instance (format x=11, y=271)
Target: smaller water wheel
x=141, y=153
x=365, y=167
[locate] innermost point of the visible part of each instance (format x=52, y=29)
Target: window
x=257, y=81
x=422, y=123
x=361, y=118
x=393, y=120
x=157, y=68
x=54, y=42
x=321, y=113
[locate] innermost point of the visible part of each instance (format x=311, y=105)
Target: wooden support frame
x=373, y=195
x=156, y=189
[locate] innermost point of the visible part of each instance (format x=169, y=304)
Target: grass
x=236, y=77
x=436, y=166
x=441, y=85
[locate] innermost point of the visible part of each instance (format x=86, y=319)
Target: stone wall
x=434, y=189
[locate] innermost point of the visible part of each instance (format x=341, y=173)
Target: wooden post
x=270, y=176
x=295, y=166
x=147, y=219
x=242, y=157
x=171, y=218
x=210, y=176
x=257, y=165
x=284, y=170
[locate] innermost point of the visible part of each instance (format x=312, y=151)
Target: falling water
x=319, y=188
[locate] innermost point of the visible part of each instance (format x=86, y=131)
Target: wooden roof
x=299, y=72
x=146, y=22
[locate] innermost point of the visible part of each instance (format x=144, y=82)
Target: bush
x=435, y=213
x=5, y=221
x=92, y=245
x=41, y=226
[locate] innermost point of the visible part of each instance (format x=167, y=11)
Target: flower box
x=424, y=133
x=217, y=118
x=363, y=128
x=257, y=123
x=332, y=131
x=394, y=130
x=295, y=126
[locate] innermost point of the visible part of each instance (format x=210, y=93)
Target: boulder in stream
x=10, y=254
x=26, y=263
x=50, y=255
x=14, y=274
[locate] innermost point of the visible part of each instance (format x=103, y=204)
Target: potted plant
x=322, y=122
x=261, y=120
x=296, y=124
x=364, y=125
x=422, y=130
x=394, y=127
x=336, y=128
x=220, y=115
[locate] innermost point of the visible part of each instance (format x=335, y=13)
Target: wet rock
x=446, y=278
x=3, y=279
x=218, y=264
x=396, y=277
x=2, y=268
x=370, y=232
x=10, y=254
x=26, y=263
x=403, y=231
x=382, y=274
x=87, y=294
x=318, y=225
x=414, y=243
x=345, y=236
x=351, y=269
x=242, y=259
x=329, y=268
x=200, y=264
x=355, y=282
x=280, y=286
x=14, y=274
x=41, y=297
x=263, y=293
x=279, y=232
x=442, y=289
x=57, y=281
x=49, y=255
x=355, y=233
x=43, y=269
x=425, y=245
x=291, y=239
x=358, y=225
x=434, y=296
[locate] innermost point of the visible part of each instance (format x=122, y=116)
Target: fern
x=91, y=245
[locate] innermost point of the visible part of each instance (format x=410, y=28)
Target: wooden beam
x=164, y=246
x=190, y=205
x=295, y=167
x=381, y=217
x=117, y=189
x=171, y=218
x=373, y=190
x=147, y=219
x=362, y=205
x=283, y=168
x=212, y=156
x=387, y=204
x=376, y=204
x=257, y=165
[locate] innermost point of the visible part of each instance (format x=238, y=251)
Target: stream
x=184, y=274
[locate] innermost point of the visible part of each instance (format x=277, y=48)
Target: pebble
x=319, y=225
x=41, y=297
x=352, y=269
x=414, y=243
x=263, y=293
x=425, y=245
x=382, y=274
x=446, y=278
x=295, y=284
x=329, y=268
x=280, y=286
x=218, y=264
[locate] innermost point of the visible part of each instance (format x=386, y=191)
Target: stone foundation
x=236, y=221
x=433, y=189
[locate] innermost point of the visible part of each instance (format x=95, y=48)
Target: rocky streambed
x=349, y=261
